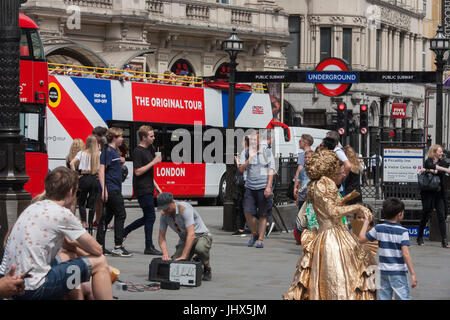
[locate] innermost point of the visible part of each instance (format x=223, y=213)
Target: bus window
x=29, y=128
x=124, y=149
x=24, y=48
x=174, y=138
x=38, y=50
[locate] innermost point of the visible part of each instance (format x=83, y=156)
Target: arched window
x=182, y=67
x=223, y=70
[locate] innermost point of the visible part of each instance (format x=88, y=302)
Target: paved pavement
x=242, y=273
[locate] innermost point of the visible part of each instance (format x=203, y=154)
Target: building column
x=396, y=47
x=303, y=43
x=364, y=49
x=390, y=49
x=316, y=49
x=406, y=55
x=419, y=49
x=412, y=52
x=356, y=50
x=208, y=64
x=162, y=60
x=372, y=50
x=336, y=41
x=384, y=49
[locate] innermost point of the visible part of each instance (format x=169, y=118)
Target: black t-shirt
x=143, y=184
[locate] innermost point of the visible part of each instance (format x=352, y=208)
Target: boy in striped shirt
x=394, y=257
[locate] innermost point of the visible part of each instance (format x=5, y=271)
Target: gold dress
x=334, y=266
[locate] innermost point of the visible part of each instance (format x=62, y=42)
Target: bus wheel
x=222, y=190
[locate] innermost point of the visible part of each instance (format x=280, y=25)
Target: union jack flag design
x=258, y=110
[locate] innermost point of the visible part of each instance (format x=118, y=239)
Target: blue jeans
x=147, y=204
x=61, y=279
x=393, y=284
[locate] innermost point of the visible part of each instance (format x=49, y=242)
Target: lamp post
x=439, y=45
x=232, y=45
x=13, y=198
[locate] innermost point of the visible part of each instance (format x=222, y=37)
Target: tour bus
x=81, y=98
x=33, y=100
x=177, y=113
x=181, y=116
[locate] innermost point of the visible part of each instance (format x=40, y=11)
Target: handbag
x=429, y=182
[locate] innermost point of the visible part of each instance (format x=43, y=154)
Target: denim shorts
x=62, y=278
x=396, y=285
x=255, y=203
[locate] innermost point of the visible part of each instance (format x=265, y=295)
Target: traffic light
x=351, y=123
x=363, y=118
x=342, y=118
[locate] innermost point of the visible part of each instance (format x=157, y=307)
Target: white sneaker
x=121, y=252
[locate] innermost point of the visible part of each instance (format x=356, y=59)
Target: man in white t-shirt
x=38, y=235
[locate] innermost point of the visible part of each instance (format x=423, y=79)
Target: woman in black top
x=353, y=180
x=433, y=199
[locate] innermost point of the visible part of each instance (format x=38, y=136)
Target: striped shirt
x=391, y=238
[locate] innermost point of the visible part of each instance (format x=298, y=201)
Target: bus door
x=183, y=178
x=36, y=158
x=125, y=150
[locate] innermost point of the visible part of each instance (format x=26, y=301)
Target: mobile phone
x=26, y=274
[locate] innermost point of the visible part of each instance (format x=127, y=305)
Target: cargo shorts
x=256, y=204
x=201, y=247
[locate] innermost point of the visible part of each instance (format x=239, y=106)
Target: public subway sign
x=446, y=18
x=336, y=83
x=402, y=164
x=328, y=76
x=398, y=111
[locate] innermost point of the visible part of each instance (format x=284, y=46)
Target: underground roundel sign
x=333, y=89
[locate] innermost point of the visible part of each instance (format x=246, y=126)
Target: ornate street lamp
x=13, y=199
x=232, y=45
x=439, y=45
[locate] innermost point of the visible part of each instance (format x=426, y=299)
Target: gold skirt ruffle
x=333, y=267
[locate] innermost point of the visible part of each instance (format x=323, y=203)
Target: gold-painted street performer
x=334, y=266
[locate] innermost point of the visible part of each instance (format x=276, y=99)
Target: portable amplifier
x=187, y=273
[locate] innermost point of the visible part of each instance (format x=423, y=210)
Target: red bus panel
x=36, y=165
x=182, y=180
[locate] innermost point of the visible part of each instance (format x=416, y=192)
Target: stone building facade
x=371, y=35
x=159, y=34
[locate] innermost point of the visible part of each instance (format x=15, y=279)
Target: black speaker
x=159, y=270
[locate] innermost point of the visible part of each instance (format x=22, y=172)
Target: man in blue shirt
x=110, y=176
x=260, y=167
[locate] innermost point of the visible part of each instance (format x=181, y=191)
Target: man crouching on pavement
x=187, y=223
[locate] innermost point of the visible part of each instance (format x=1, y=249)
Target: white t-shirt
x=36, y=238
x=85, y=161
x=340, y=154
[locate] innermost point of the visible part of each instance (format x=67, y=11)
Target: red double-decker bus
x=33, y=101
